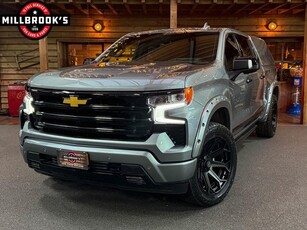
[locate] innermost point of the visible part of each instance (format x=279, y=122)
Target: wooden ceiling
x=199, y=8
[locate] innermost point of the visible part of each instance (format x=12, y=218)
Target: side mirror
x=88, y=61
x=245, y=64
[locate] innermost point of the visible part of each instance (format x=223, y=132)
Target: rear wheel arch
x=276, y=92
x=268, y=127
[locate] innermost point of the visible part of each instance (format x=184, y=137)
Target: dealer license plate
x=73, y=159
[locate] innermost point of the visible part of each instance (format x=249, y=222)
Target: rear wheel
x=216, y=167
x=268, y=128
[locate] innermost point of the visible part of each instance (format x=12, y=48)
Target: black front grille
x=118, y=116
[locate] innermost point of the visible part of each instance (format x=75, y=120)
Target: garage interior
x=269, y=191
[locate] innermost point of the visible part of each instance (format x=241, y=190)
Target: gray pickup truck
x=158, y=111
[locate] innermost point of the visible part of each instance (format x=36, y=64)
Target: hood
x=110, y=77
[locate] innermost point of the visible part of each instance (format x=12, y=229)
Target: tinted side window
x=231, y=51
x=263, y=51
x=245, y=46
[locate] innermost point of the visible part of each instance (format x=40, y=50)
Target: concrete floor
x=270, y=192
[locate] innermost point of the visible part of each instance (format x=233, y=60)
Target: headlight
x=163, y=103
x=27, y=103
x=184, y=96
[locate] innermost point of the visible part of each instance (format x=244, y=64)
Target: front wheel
x=216, y=167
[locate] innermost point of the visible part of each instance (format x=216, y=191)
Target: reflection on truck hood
x=110, y=77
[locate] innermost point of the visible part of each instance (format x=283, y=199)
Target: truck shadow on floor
x=100, y=196
x=95, y=201
x=69, y=199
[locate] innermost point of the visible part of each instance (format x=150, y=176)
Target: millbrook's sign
x=34, y=20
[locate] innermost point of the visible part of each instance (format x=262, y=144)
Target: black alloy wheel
x=274, y=117
x=216, y=167
x=268, y=128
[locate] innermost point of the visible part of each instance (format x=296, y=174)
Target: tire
x=216, y=167
x=268, y=128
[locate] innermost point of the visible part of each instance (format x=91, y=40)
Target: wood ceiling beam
x=291, y=8
x=242, y=8
x=209, y=8
x=259, y=8
x=111, y=7
x=173, y=14
x=144, y=6
x=296, y=11
x=188, y=2
x=61, y=7
x=195, y=5
x=96, y=8
x=228, y=8
x=14, y=7
x=127, y=6
x=275, y=8
x=54, y=9
x=79, y=7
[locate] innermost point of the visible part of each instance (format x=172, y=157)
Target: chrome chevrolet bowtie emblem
x=74, y=101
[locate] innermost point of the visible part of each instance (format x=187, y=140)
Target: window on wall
x=77, y=53
x=286, y=52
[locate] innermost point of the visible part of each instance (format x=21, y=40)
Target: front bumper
x=153, y=165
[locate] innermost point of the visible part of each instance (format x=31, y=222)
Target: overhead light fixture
x=98, y=26
x=272, y=26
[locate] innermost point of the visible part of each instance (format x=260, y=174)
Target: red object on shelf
x=16, y=93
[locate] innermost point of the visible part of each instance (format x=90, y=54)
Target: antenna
x=206, y=26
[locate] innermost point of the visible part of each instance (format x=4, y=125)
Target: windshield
x=194, y=48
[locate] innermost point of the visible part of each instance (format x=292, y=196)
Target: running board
x=246, y=133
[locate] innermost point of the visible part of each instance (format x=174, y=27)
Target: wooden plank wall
x=13, y=43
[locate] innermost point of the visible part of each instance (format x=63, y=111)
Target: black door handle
x=249, y=80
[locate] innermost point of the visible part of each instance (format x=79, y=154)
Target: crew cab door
x=255, y=79
x=241, y=86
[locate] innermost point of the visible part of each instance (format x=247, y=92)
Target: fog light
x=135, y=180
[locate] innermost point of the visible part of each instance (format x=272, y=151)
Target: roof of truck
x=178, y=30
x=185, y=30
